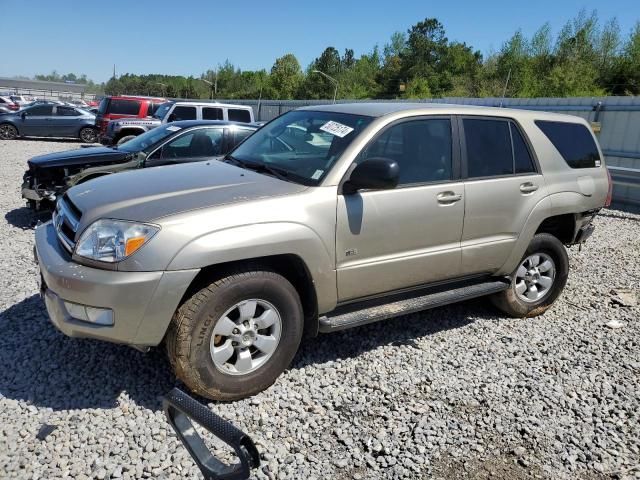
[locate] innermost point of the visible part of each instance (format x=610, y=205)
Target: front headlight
x=113, y=240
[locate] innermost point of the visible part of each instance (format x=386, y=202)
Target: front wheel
x=8, y=131
x=233, y=338
x=88, y=135
x=538, y=280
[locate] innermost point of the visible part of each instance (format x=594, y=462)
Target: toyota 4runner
x=328, y=217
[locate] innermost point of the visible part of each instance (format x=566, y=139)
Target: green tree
x=286, y=76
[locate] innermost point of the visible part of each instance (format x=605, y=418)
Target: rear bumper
x=142, y=303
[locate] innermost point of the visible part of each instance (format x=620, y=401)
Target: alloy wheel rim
x=534, y=277
x=245, y=337
x=88, y=135
x=6, y=131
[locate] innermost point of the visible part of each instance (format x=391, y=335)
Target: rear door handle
x=448, y=197
x=528, y=187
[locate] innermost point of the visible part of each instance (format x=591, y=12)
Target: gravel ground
x=456, y=392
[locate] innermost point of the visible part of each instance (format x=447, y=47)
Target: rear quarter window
x=124, y=107
x=237, y=115
x=573, y=141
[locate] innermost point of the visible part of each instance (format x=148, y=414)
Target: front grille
x=66, y=219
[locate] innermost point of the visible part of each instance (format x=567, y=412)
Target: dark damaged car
x=48, y=176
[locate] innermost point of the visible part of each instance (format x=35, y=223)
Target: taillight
x=610, y=191
x=14, y=106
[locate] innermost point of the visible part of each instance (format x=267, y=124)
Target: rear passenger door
x=502, y=186
x=65, y=121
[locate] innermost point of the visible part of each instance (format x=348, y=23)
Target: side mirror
x=23, y=115
x=374, y=173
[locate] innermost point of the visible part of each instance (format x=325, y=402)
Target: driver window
x=422, y=148
x=200, y=143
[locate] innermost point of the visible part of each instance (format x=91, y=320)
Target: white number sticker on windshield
x=337, y=129
x=173, y=128
x=317, y=174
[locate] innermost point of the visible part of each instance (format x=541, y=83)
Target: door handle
x=528, y=187
x=448, y=197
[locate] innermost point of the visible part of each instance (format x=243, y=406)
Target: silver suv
x=326, y=218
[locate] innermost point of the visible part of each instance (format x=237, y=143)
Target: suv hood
x=149, y=194
x=79, y=156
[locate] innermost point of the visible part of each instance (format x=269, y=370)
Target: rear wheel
x=8, y=131
x=538, y=280
x=233, y=338
x=88, y=135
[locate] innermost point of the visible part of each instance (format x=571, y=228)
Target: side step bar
x=340, y=319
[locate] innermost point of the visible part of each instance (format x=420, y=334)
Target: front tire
x=233, y=338
x=88, y=135
x=537, y=281
x=8, y=132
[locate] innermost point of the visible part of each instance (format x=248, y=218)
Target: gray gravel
x=451, y=393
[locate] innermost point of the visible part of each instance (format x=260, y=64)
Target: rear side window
x=522, y=161
x=183, y=113
x=236, y=115
x=209, y=113
x=488, y=147
x=123, y=107
x=574, y=142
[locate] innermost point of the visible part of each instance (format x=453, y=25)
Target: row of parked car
x=136, y=132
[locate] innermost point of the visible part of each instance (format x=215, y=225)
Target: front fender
x=262, y=240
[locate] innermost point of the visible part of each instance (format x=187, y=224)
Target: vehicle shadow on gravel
x=406, y=330
x=43, y=367
x=25, y=218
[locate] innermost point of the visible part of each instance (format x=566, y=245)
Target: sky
x=187, y=37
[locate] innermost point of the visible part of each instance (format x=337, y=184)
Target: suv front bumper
x=142, y=303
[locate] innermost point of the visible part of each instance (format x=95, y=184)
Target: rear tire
x=88, y=135
x=8, y=131
x=537, y=281
x=210, y=341
x=125, y=139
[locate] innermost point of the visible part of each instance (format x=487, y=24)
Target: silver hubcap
x=534, y=277
x=245, y=337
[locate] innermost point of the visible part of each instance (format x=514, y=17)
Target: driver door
x=408, y=236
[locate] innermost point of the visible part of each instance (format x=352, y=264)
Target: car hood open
x=79, y=156
x=149, y=194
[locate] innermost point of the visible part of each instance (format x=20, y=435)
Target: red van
x=125, y=106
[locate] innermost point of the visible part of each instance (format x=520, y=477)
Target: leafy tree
x=286, y=76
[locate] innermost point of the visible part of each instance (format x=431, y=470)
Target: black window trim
x=456, y=176
x=525, y=137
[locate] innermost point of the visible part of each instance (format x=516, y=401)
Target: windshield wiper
x=259, y=167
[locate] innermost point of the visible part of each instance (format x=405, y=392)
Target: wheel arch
x=290, y=266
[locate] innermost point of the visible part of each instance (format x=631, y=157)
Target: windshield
x=102, y=108
x=162, y=110
x=303, y=143
x=149, y=138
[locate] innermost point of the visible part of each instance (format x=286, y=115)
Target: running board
x=340, y=320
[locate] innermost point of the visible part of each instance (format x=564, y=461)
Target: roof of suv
x=379, y=109
x=209, y=104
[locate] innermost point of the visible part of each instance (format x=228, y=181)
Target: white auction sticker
x=317, y=174
x=337, y=129
x=173, y=128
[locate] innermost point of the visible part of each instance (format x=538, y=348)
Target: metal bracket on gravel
x=180, y=408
